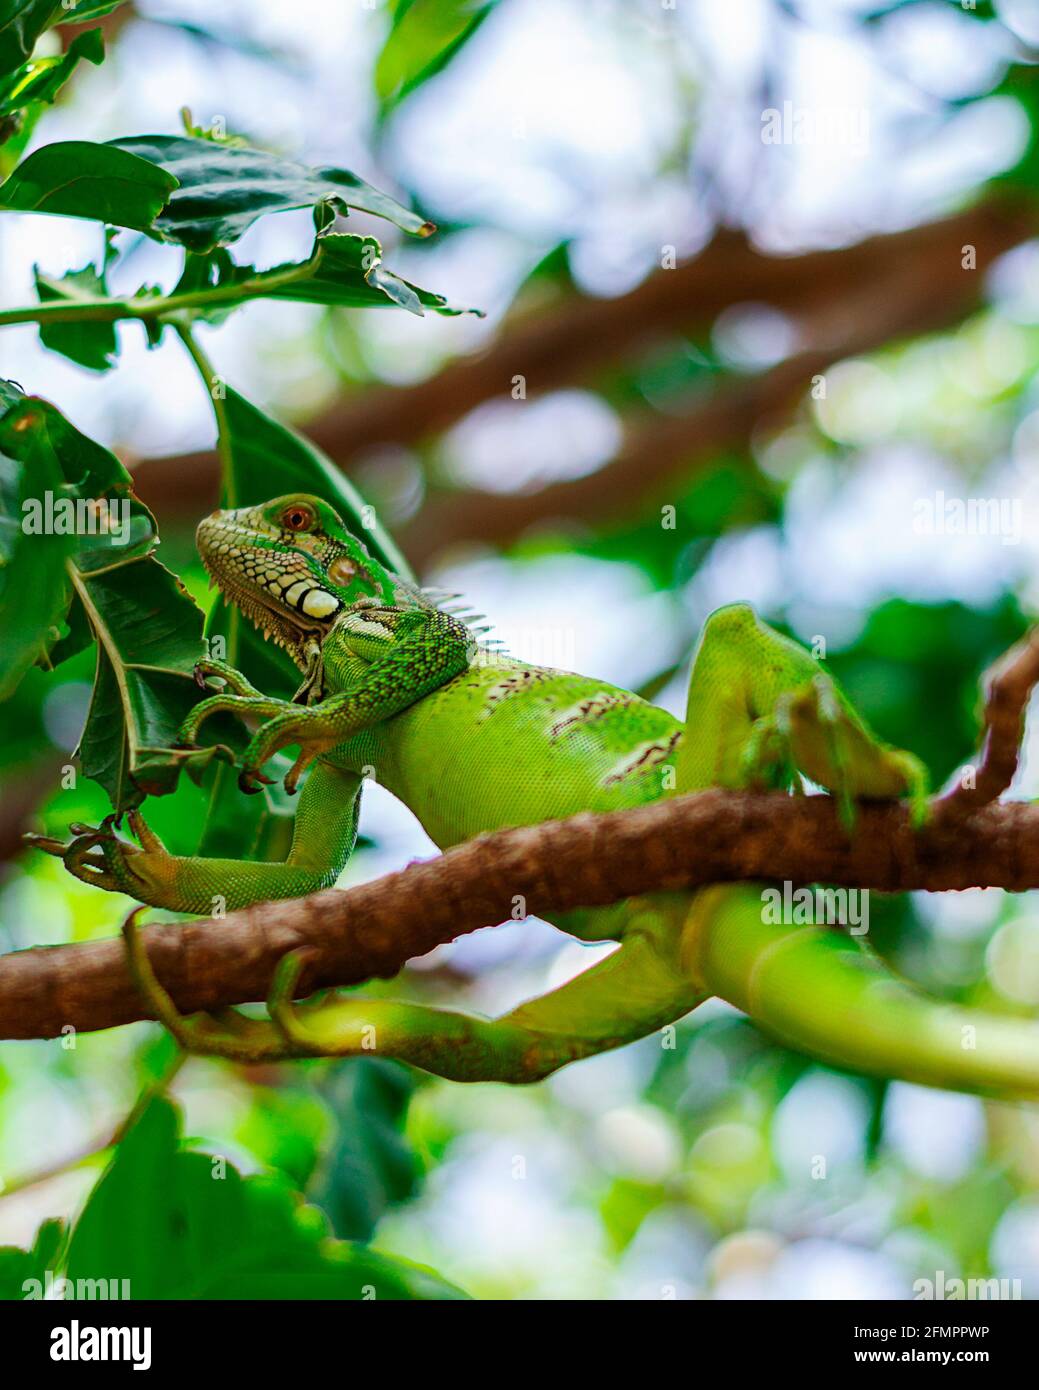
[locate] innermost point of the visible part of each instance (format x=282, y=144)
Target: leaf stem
x=214, y=384
x=144, y=307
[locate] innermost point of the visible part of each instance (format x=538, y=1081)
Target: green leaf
x=181, y=1224
x=202, y=274
x=76, y=178
x=370, y=1165
x=198, y=193
x=343, y=270
x=41, y=80
x=91, y=345
x=222, y=188
x=286, y=1127
x=21, y=24
x=34, y=586
x=424, y=37
x=347, y=270
x=147, y=628
x=149, y=635
x=23, y=1273
x=15, y=133
x=23, y=21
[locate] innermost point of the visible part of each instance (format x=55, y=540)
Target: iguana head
x=292, y=567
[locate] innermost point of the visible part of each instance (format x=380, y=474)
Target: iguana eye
x=297, y=518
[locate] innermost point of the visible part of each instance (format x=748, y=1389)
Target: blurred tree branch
x=846, y=301
x=23, y=791
x=110, y=24
x=590, y=860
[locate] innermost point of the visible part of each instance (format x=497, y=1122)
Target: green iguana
x=472, y=741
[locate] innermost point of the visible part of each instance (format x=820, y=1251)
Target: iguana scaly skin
x=474, y=741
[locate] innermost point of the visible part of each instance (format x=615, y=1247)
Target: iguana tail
x=824, y=993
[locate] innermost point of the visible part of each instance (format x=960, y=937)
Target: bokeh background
x=742, y=367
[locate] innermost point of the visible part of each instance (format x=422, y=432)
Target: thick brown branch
x=1009, y=685
x=590, y=860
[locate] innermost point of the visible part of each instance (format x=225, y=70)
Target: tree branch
x=21, y=791
x=661, y=450
x=848, y=301
x=588, y=861
x=1010, y=685
x=591, y=860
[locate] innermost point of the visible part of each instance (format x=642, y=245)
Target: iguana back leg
x=638, y=989
x=761, y=708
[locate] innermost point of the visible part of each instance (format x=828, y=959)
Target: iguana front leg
x=395, y=657
x=238, y=697
x=415, y=651
x=323, y=836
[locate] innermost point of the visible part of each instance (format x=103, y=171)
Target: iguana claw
x=251, y=781
x=104, y=831
x=97, y=855
x=234, y=682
